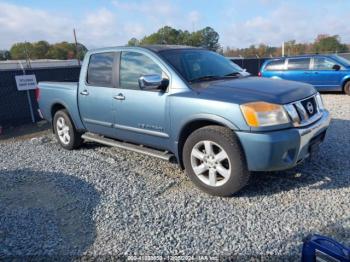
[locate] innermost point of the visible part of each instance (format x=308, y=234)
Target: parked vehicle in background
x=190, y=104
x=324, y=72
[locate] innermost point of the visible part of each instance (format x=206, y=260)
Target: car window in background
x=299, y=63
x=342, y=60
x=132, y=66
x=100, y=70
x=275, y=65
x=194, y=64
x=323, y=63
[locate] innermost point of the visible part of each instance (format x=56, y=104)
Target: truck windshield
x=197, y=65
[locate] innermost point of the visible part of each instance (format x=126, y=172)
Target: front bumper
x=278, y=150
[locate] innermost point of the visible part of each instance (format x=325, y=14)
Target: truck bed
x=53, y=94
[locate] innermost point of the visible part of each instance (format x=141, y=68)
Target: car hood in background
x=243, y=90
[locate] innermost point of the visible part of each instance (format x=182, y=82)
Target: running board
x=165, y=155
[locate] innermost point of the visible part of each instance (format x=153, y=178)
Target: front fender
x=207, y=117
x=186, y=123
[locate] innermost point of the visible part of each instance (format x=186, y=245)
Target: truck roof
x=159, y=48
x=153, y=48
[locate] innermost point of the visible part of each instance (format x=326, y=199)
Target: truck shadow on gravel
x=45, y=214
x=329, y=168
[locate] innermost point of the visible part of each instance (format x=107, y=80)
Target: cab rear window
x=100, y=70
x=275, y=65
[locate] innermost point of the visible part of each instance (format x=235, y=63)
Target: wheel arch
x=60, y=106
x=190, y=126
x=345, y=81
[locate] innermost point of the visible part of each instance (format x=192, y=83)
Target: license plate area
x=315, y=143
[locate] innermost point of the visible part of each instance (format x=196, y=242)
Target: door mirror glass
x=151, y=82
x=336, y=67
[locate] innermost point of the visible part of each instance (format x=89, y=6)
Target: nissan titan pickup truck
x=188, y=105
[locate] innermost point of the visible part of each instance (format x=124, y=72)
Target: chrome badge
x=310, y=108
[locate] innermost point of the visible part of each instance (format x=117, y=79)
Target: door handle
x=119, y=97
x=84, y=93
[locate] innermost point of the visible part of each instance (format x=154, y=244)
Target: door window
x=299, y=63
x=100, y=70
x=323, y=63
x=133, y=65
x=275, y=65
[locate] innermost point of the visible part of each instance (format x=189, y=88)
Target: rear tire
x=65, y=132
x=347, y=88
x=214, y=161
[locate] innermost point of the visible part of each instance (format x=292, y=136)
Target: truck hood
x=249, y=89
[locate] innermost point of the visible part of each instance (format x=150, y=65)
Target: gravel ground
x=105, y=201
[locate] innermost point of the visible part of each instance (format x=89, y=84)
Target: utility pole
x=24, y=72
x=283, y=49
x=27, y=55
x=76, y=46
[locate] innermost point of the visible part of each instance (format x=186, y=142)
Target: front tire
x=215, y=162
x=65, y=132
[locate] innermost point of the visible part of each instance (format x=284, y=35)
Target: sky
x=240, y=23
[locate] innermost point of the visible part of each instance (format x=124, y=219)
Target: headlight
x=259, y=114
x=319, y=102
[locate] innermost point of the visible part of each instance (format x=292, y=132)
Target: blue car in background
x=324, y=72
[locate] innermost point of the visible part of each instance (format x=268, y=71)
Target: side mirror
x=336, y=67
x=151, y=82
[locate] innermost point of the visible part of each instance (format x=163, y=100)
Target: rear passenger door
x=298, y=69
x=142, y=115
x=96, y=91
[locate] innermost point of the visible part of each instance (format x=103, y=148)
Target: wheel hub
x=210, y=163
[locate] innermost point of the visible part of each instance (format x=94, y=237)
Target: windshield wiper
x=233, y=74
x=204, y=78
x=214, y=77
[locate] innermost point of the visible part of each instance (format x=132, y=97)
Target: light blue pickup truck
x=188, y=105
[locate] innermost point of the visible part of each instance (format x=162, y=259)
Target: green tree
x=206, y=37
x=81, y=51
x=133, y=42
x=209, y=38
x=40, y=50
x=325, y=43
x=21, y=50
x=62, y=51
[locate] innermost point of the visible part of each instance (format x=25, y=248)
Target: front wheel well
x=189, y=129
x=344, y=84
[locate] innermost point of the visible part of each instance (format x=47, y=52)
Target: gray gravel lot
x=105, y=201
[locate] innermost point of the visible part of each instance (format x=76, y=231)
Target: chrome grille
x=304, y=112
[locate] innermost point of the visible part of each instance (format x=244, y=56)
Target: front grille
x=310, y=106
x=304, y=112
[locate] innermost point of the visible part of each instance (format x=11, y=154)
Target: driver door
x=142, y=115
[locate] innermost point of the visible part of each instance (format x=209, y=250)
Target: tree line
x=44, y=50
x=322, y=44
x=206, y=37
